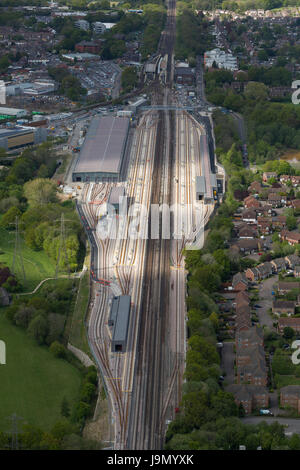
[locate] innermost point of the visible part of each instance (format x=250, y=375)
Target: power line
x=62, y=246
x=18, y=251
x=15, y=431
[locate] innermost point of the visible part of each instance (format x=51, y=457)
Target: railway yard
x=143, y=375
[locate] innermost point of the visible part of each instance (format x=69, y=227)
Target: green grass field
x=37, y=264
x=33, y=382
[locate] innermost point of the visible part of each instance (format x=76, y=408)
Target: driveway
x=265, y=301
x=227, y=362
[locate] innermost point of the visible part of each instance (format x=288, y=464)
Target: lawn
x=37, y=264
x=33, y=382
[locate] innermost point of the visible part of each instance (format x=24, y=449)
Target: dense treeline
x=272, y=127
x=27, y=192
x=69, y=85
x=192, y=35
x=155, y=17
x=244, y=5
x=129, y=79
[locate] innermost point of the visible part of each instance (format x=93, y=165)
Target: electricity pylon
x=15, y=430
x=18, y=251
x=62, y=246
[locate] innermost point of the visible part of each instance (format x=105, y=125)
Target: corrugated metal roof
x=115, y=194
x=15, y=131
x=104, y=144
x=122, y=320
x=200, y=184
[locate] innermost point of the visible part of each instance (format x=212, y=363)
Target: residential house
x=243, y=320
x=295, y=180
x=251, y=203
x=255, y=372
x=249, y=216
x=284, y=178
x=276, y=200
x=248, y=245
x=246, y=231
x=291, y=322
x=285, y=287
x=264, y=225
x=245, y=355
x=252, y=337
x=265, y=270
x=255, y=187
x=293, y=238
x=266, y=210
x=297, y=271
x=295, y=203
x=267, y=175
x=91, y=47
x=242, y=298
x=292, y=261
x=279, y=221
x=252, y=274
x=262, y=271
x=278, y=264
x=240, y=281
x=249, y=396
x=290, y=397
x=283, y=307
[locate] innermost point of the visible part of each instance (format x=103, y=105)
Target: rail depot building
x=119, y=322
x=102, y=153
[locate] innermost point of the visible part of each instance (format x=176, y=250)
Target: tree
x=40, y=191
x=9, y=217
x=288, y=332
x=129, y=78
x=65, y=408
x=58, y=350
x=291, y=222
x=38, y=328
x=256, y=91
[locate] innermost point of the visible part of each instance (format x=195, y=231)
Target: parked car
x=265, y=412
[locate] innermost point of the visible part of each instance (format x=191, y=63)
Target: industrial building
x=119, y=321
x=102, y=153
x=19, y=137
x=13, y=112
x=200, y=188
x=38, y=87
